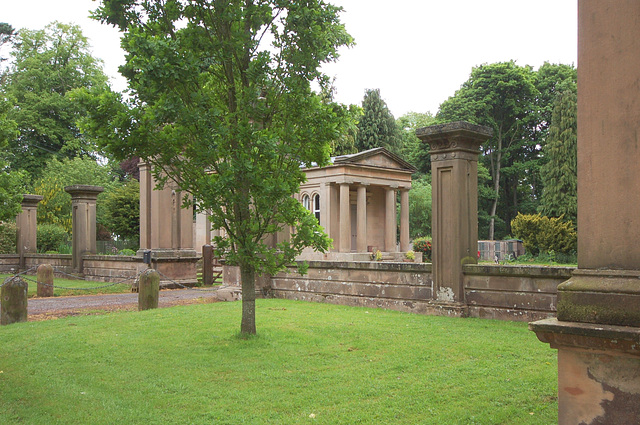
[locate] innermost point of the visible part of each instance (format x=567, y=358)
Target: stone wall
x=520, y=293
x=111, y=268
x=9, y=263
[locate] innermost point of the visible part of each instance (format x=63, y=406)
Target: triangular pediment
x=377, y=157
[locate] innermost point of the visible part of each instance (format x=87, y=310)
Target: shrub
x=127, y=251
x=50, y=237
x=423, y=245
x=410, y=255
x=544, y=234
x=8, y=238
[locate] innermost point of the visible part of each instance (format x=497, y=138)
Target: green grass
x=74, y=285
x=310, y=364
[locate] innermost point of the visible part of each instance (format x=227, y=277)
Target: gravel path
x=49, y=308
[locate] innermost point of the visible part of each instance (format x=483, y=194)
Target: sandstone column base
x=598, y=371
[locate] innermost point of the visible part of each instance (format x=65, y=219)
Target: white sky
x=417, y=52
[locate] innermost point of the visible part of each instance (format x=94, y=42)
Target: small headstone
x=148, y=290
x=45, y=280
x=13, y=301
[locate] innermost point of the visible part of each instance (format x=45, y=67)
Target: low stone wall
x=523, y=293
x=60, y=262
x=9, y=263
x=111, y=268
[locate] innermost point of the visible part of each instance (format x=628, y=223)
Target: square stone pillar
x=361, y=231
x=83, y=217
x=27, y=225
x=597, y=332
x=454, y=182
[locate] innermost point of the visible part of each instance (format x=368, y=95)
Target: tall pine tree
x=377, y=127
x=559, y=174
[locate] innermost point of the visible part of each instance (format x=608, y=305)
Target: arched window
x=316, y=206
x=305, y=202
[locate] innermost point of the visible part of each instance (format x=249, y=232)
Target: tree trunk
x=248, y=277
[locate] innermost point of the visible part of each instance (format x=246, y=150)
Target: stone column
x=27, y=224
x=362, y=219
x=345, y=219
x=598, y=326
x=454, y=182
x=404, y=220
x=325, y=208
x=390, y=220
x=83, y=216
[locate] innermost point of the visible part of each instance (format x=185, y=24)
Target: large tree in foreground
x=222, y=105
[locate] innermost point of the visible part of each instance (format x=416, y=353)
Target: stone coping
x=39, y=255
x=519, y=271
x=370, y=265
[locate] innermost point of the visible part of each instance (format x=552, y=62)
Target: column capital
x=455, y=137
x=83, y=192
x=31, y=200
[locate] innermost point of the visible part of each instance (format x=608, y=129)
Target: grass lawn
x=310, y=364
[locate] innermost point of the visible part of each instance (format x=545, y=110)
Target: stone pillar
x=390, y=220
x=361, y=231
x=598, y=325
x=345, y=219
x=165, y=227
x=146, y=186
x=454, y=182
x=83, y=216
x=404, y=220
x=27, y=224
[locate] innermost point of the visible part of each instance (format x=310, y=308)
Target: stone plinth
x=27, y=224
x=83, y=203
x=454, y=174
x=598, y=371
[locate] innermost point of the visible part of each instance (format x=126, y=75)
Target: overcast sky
x=417, y=52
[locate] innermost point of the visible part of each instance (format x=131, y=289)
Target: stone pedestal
x=83, y=216
x=454, y=181
x=597, y=332
x=27, y=225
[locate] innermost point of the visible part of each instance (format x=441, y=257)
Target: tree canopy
x=222, y=104
x=47, y=65
x=515, y=101
x=377, y=127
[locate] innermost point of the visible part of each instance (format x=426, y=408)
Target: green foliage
x=515, y=102
x=560, y=173
x=411, y=148
x=122, y=210
x=8, y=238
x=420, y=208
x=377, y=127
x=410, y=255
x=346, y=143
x=49, y=237
x=127, y=251
x=541, y=234
x=226, y=117
x=48, y=64
x=55, y=207
x=423, y=245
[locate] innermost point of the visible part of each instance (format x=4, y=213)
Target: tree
x=560, y=173
x=500, y=96
x=377, y=127
x=227, y=117
x=411, y=148
x=122, y=210
x=49, y=64
x=55, y=207
x=346, y=143
x=420, y=208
